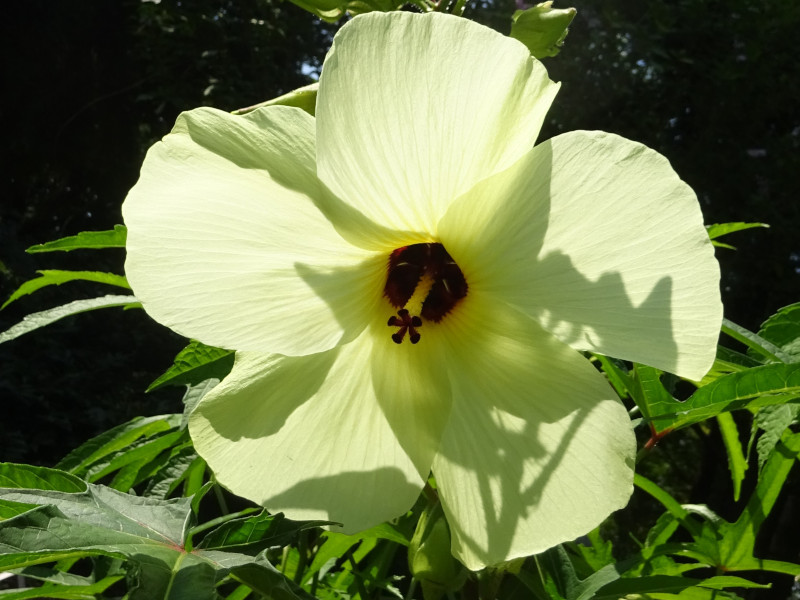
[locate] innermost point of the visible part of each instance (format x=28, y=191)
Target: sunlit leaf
x=251, y=535
x=754, y=342
x=149, y=532
x=739, y=540
x=719, y=229
x=737, y=463
x=36, y=320
x=194, y=364
x=58, y=277
x=114, y=440
x=773, y=420
x=759, y=386
x=114, y=238
x=783, y=330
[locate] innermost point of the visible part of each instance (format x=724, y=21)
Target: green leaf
x=759, y=386
x=754, y=342
x=176, y=469
x=148, y=532
x=719, y=229
x=783, y=330
x=600, y=551
x=673, y=506
x=773, y=420
x=39, y=478
x=739, y=539
x=53, y=591
x=542, y=28
x=85, y=240
x=194, y=364
x=58, y=277
x=617, y=376
x=737, y=463
x=561, y=578
x=251, y=535
x=114, y=440
x=37, y=320
x=138, y=454
x=647, y=390
x=728, y=361
x=663, y=586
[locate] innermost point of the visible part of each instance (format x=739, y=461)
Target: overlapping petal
x=304, y=435
x=325, y=436
x=538, y=449
x=228, y=242
x=412, y=111
x=598, y=239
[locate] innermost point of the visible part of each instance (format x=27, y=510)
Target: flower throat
x=424, y=283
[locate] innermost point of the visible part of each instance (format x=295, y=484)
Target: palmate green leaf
x=47, y=278
x=195, y=364
x=542, y=28
x=85, y=240
x=759, y=386
x=148, y=532
x=34, y=321
x=716, y=542
x=783, y=330
x=736, y=545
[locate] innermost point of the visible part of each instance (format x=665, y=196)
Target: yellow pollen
x=414, y=304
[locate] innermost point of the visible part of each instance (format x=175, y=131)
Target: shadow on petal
x=359, y=499
x=254, y=401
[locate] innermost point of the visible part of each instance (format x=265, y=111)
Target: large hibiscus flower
x=407, y=280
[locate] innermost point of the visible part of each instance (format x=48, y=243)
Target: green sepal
x=429, y=557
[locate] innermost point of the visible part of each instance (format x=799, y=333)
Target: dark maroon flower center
x=422, y=269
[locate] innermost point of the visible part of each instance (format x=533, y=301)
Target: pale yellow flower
x=294, y=240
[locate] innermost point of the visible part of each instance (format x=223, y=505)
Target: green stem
x=302, y=560
x=412, y=587
x=223, y=506
x=458, y=9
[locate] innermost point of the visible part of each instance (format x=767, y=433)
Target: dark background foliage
x=89, y=86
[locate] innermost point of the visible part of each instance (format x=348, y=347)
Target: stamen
x=423, y=280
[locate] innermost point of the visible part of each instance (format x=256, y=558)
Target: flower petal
x=597, y=238
x=227, y=241
x=537, y=451
x=342, y=435
x=414, y=109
